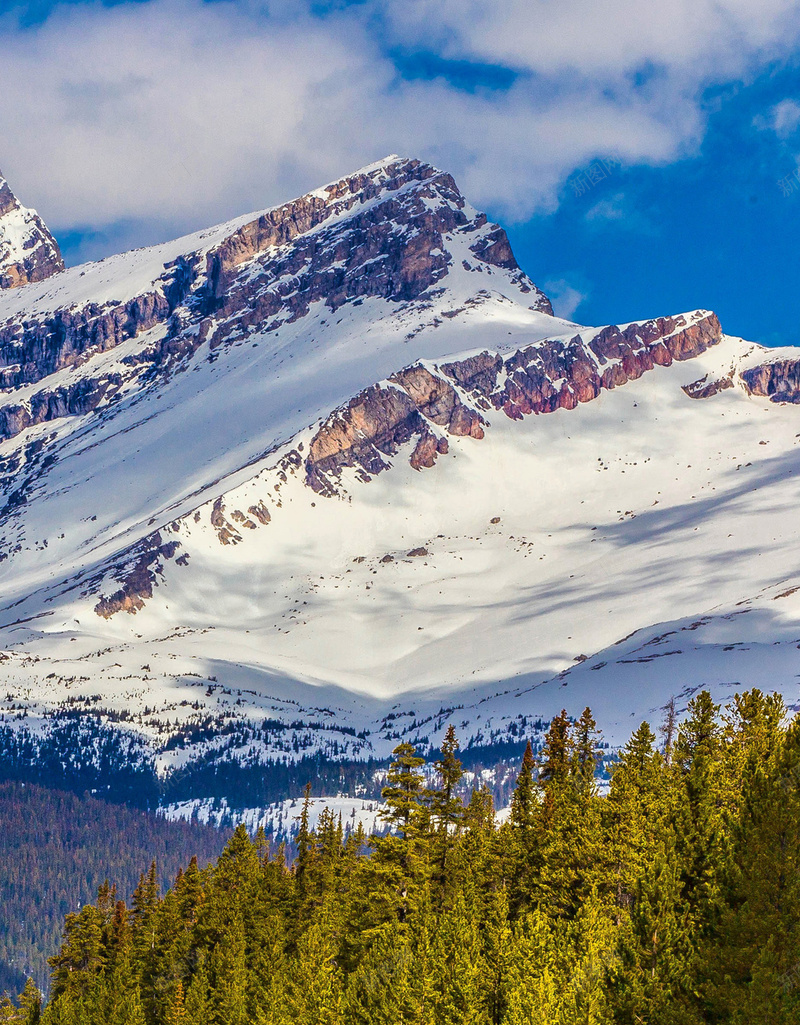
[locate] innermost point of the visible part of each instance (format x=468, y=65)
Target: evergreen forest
x=57, y=849
x=671, y=898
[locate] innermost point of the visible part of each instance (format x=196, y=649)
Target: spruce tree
x=523, y=801
x=557, y=750
x=404, y=793
x=446, y=807
x=521, y=854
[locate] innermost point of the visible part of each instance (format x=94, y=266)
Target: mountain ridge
x=236, y=437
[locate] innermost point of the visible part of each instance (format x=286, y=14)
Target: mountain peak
x=390, y=229
x=28, y=252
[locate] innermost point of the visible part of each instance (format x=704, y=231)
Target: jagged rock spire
x=28, y=252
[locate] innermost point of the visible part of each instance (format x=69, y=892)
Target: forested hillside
x=674, y=899
x=57, y=849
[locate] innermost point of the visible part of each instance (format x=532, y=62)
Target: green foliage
x=57, y=851
x=674, y=899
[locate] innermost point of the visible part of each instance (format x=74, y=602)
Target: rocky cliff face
x=778, y=380
x=28, y=252
x=393, y=247
x=388, y=232
x=430, y=403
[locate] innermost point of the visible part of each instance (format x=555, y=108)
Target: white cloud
x=610, y=209
x=606, y=40
x=785, y=118
x=616, y=212
x=174, y=113
x=565, y=297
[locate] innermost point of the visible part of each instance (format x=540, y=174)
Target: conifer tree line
x=672, y=900
x=55, y=851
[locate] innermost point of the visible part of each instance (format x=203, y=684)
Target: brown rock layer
x=778, y=380
x=32, y=351
x=541, y=378
x=705, y=389
x=69, y=400
x=392, y=249
x=374, y=234
x=137, y=576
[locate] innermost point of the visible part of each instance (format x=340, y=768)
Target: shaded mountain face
x=28, y=252
x=332, y=474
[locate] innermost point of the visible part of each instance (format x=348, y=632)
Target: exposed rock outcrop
x=541, y=378
x=705, y=389
x=28, y=252
x=68, y=400
x=137, y=574
x=374, y=424
x=778, y=380
x=226, y=531
x=559, y=375
x=392, y=247
x=380, y=233
x=30, y=351
x=438, y=401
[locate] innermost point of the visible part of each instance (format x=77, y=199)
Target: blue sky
x=129, y=122
x=714, y=229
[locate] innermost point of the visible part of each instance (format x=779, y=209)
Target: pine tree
x=521, y=855
x=633, y=812
x=446, y=806
x=674, y=900
x=30, y=1004
x=584, y=758
x=697, y=757
x=176, y=1012
x=534, y=982
x=669, y=728
x=556, y=751
x=399, y=862
x=571, y=848
x=457, y=961
x=144, y=906
x=304, y=845
x=227, y=964
x=317, y=992
x=655, y=973
x=756, y=931
x=378, y=990
x=82, y=954
x=498, y=948
x=523, y=801
x=404, y=794
x=197, y=1000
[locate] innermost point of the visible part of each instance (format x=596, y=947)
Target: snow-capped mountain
x=28, y=252
x=333, y=474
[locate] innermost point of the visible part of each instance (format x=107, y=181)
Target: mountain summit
x=332, y=475
x=28, y=252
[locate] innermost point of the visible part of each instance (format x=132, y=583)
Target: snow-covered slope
x=333, y=474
